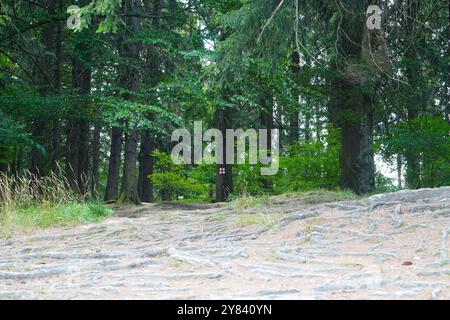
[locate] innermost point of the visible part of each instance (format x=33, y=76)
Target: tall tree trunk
x=46, y=86
x=318, y=123
x=131, y=78
x=415, y=98
x=447, y=73
x=71, y=169
x=83, y=158
x=95, y=150
x=279, y=115
x=78, y=135
x=146, y=168
x=294, y=130
x=55, y=144
x=112, y=183
x=224, y=182
x=129, y=183
x=224, y=172
x=354, y=110
x=147, y=144
x=267, y=117
x=56, y=125
x=267, y=121
x=415, y=101
x=307, y=127
x=366, y=154
x=356, y=124
x=399, y=171
x=58, y=50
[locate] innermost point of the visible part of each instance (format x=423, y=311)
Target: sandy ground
x=392, y=246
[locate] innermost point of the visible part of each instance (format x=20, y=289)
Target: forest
x=91, y=91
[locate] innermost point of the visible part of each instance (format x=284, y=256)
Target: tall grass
x=28, y=202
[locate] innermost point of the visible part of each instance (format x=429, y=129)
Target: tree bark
x=267, y=117
x=112, y=184
x=56, y=125
x=447, y=79
x=307, y=127
x=318, y=123
x=38, y=163
x=224, y=172
x=58, y=50
x=399, y=171
x=71, y=168
x=77, y=157
x=224, y=182
x=356, y=125
x=146, y=162
x=129, y=183
x=83, y=158
x=131, y=78
x=95, y=150
x=267, y=121
x=294, y=130
x=415, y=98
x=353, y=108
x=146, y=168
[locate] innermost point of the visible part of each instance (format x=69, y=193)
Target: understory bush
x=177, y=182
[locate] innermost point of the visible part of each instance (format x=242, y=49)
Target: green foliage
x=12, y=138
x=105, y=8
x=311, y=165
x=248, y=180
x=176, y=182
x=429, y=138
x=306, y=166
x=384, y=184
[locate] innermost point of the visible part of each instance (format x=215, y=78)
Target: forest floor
x=390, y=246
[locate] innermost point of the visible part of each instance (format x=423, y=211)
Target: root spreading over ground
x=386, y=246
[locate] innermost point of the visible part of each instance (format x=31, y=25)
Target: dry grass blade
x=29, y=200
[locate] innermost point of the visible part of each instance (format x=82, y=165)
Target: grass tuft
x=306, y=197
x=245, y=202
x=29, y=202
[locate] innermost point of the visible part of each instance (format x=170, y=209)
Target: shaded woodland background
x=98, y=104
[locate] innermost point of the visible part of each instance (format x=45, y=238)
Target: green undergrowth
x=29, y=202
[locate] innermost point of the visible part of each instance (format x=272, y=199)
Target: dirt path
x=386, y=246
